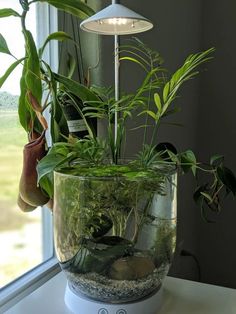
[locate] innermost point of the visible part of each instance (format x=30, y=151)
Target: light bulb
x=117, y=21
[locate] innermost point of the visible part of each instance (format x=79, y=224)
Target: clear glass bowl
x=115, y=236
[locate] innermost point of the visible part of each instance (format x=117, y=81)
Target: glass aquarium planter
x=115, y=235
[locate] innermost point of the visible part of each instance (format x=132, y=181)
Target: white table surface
x=179, y=297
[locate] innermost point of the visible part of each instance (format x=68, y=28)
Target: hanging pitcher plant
x=155, y=100
x=38, y=90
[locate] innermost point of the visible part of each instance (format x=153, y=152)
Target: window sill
x=179, y=297
x=22, y=287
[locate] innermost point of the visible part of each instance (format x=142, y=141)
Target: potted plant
x=114, y=219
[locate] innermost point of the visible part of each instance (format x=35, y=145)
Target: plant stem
x=149, y=99
x=154, y=132
x=23, y=17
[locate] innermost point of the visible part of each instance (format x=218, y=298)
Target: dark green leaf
x=25, y=4
x=84, y=93
x=33, y=74
x=216, y=160
x=188, y=161
x=55, y=130
x=228, y=178
x=46, y=184
x=198, y=197
x=48, y=163
x=24, y=111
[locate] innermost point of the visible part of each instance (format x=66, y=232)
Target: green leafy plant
x=113, y=219
x=154, y=100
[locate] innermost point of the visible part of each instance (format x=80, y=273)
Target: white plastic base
x=82, y=305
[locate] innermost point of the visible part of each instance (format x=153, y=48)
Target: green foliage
x=24, y=111
x=221, y=181
x=227, y=178
x=188, y=161
x=33, y=73
x=60, y=36
x=154, y=99
x=37, y=75
x=9, y=71
x=77, y=89
x=74, y=7
x=8, y=12
x=3, y=46
x=25, y=5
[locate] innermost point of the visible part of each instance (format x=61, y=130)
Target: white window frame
x=30, y=281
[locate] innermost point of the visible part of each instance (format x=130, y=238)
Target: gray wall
x=216, y=133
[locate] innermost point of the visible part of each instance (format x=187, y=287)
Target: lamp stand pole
x=117, y=84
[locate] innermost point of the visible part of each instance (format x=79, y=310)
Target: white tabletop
x=179, y=297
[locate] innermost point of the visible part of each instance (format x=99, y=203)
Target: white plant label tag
x=76, y=125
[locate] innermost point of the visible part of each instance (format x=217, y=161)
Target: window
x=25, y=239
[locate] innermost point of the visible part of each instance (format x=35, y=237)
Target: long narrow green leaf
x=150, y=113
x=157, y=100
x=3, y=46
x=135, y=61
x=9, y=71
x=8, y=12
x=183, y=74
x=84, y=93
x=23, y=111
x=71, y=65
x=166, y=91
x=136, y=56
x=60, y=36
x=58, y=122
x=33, y=73
x=136, y=49
x=74, y=7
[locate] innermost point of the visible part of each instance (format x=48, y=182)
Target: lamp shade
x=116, y=19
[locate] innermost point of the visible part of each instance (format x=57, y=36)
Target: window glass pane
x=21, y=234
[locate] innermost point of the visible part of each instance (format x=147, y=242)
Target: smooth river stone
x=131, y=268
